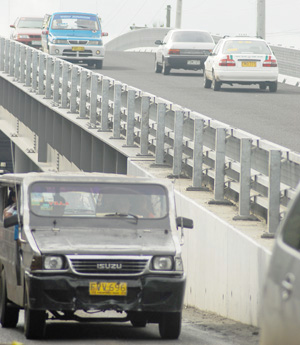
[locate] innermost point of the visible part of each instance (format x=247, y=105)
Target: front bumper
x=30, y=42
x=146, y=293
x=67, y=52
x=186, y=62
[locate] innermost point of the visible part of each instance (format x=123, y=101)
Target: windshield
x=246, y=47
x=75, y=22
x=32, y=23
x=98, y=200
x=191, y=36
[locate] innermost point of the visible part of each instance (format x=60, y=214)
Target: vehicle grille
x=83, y=54
x=109, y=266
x=194, y=52
x=78, y=42
x=37, y=37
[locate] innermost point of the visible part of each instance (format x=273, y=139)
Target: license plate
x=248, y=63
x=78, y=49
x=108, y=289
x=193, y=62
x=36, y=43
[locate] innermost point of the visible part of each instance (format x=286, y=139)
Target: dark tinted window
x=246, y=47
x=291, y=230
x=191, y=36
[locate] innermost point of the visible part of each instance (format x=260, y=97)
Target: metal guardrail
x=257, y=174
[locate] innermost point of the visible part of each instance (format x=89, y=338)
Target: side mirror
x=11, y=221
x=12, y=26
x=158, y=42
x=45, y=32
x=184, y=223
x=104, y=34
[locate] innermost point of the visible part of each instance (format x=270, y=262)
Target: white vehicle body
x=241, y=60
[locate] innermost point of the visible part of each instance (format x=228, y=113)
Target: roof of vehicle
x=65, y=12
x=188, y=30
x=79, y=177
x=241, y=38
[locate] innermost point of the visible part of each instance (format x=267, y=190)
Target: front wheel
x=273, y=86
x=34, y=321
x=170, y=325
x=9, y=314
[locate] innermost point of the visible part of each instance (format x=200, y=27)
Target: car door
x=161, y=49
x=281, y=295
x=211, y=58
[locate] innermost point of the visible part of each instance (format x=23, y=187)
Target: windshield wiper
x=125, y=215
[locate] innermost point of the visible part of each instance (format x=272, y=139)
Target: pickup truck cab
x=76, y=37
x=85, y=243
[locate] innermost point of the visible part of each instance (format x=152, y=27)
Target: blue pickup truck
x=74, y=36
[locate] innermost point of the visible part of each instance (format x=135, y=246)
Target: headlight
x=59, y=41
x=23, y=36
x=163, y=263
x=53, y=263
x=96, y=43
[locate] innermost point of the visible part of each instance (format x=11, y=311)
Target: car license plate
x=248, y=63
x=108, y=288
x=78, y=49
x=36, y=43
x=193, y=62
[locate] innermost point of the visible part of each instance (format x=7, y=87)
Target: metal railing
x=235, y=165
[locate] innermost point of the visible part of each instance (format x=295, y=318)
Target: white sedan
x=241, y=60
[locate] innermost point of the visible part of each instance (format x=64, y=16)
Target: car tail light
x=228, y=61
x=174, y=51
x=269, y=62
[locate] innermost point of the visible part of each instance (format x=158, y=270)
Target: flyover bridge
x=59, y=116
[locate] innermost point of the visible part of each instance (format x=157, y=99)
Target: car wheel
x=9, y=315
x=34, y=321
x=216, y=85
x=170, y=325
x=207, y=82
x=157, y=68
x=165, y=69
x=262, y=86
x=273, y=86
x=99, y=64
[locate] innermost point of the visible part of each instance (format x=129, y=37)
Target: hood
x=28, y=31
x=84, y=34
x=105, y=241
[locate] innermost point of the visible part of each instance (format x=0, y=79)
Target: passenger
x=11, y=209
x=59, y=205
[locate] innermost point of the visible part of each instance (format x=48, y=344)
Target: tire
x=262, y=86
x=207, y=82
x=9, y=315
x=34, y=322
x=165, y=69
x=216, y=85
x=138, y=323
x=99, y=64
x=157, y=68
x=170, y=325
x=273, y=86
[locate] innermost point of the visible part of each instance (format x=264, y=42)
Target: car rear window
x=191, y=36
x=246, y=47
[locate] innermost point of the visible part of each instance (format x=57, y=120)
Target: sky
x=229, y=17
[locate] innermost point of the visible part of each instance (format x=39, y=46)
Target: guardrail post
x=104, y=105
x=130, y=118
x=198, y=155
x=56, y=82
x=144, y=139
x=6, y=61
x=220, y=145
x=41, y=74
x=12, y=58
x=93, y=100
x=49, y=70
x=2, y=53
x=17, y=62
x=160, y=134
x=117, y=111
x=274, y=190
x=22, y=64
x=74, y=84
x=34, y=70
x=28, y=66
x=64, y=85
x=82, y=95
x=178, y=139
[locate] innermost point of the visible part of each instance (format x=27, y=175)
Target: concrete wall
x=225, y=268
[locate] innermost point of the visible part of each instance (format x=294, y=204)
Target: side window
x=217, y=48
x=167, y=37
x=291, y=227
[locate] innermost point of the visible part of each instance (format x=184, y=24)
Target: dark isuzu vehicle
x=82, y=243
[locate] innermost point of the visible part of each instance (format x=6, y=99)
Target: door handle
x=287, y=285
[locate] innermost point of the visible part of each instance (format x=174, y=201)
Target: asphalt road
x=271, y=116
